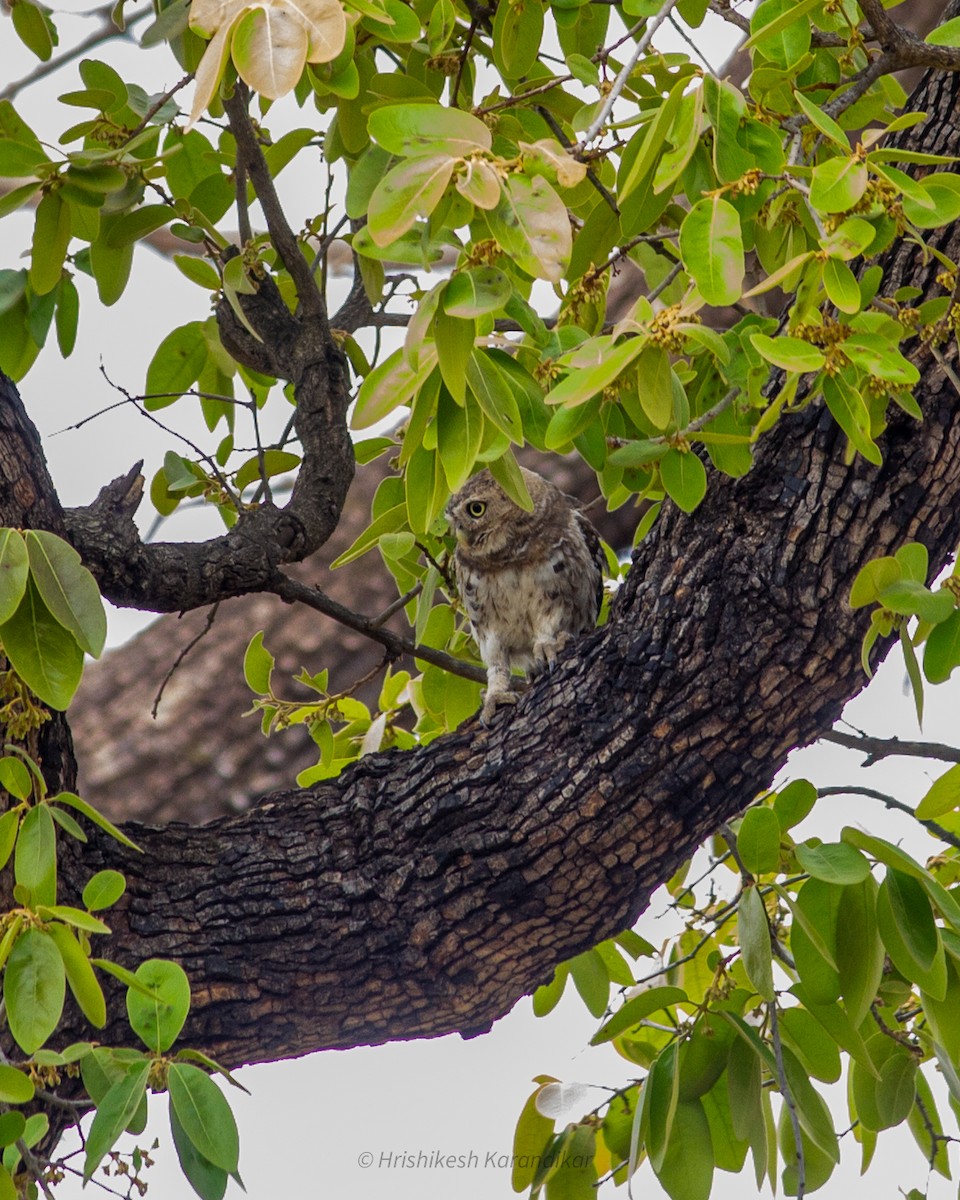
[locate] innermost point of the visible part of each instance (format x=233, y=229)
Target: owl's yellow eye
x=476, y=508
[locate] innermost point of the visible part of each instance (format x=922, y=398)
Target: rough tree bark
x=425, y=892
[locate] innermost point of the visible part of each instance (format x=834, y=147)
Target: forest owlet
x=530, y=581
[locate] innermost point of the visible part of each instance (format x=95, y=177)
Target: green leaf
x=425, y=129
x=744, y=1083
x=686, y=1168
x=873, y=579
x=586, y=379
x=15, y=777
x=476, y=291
x=754, y=935
x=835, y=862
x=110, y=265
x=591, y=980
x=942, y=796
x=532, y=226
x=636, y=1010
x=72, y=801
x=493, y=394
x=818, y=903
x=849, y=409
x=909, y=932
x=941, y=653
x=777, y=30
x=104, y=889
x=138, y=224
x=838, y=184
x=820, y=120
x=684, y=478
x=83, y=983
x=115, y=1111
x=517, y=33
x=51, y=236
x=157, y=1020
x=841, y=286
x=258, y=664
x=794, y=802
x=410, y=190
x=660, y=1096
x=758, y=840
x=34, y=988
x=67, y=315
x=878, y=357
x=455, y=337
x=15, y=1087
x=207, y=1180
x=14, y=569
x=790, y=353
x=860, y=952
x=204, y=1115
x=656, y=385
x=9, y=826
x=711, y=246
x=816, y=1049
x=68, y=589
x=530, y=1139
x=176, y=365
x=35, y=861
x=269, y=463
x=947, y=34
x=72, y=916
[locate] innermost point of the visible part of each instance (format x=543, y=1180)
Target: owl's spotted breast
x=530, y=581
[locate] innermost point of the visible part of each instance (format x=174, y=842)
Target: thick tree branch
x=425, y=892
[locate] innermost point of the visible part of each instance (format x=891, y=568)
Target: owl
x=530, y=581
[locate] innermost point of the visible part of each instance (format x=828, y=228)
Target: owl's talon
x=490, y=702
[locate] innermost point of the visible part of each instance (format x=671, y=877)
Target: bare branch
x=292, y=590
x=282, y=236
x=876, y=748
x=892, y=803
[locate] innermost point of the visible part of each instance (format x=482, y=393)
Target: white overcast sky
x=309, y=1121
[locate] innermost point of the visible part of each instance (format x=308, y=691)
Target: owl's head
x=485, y=519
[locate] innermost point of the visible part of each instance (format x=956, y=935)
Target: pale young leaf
x=325, y=24
x=269, y=50
x=555, y=162
x=209, y=71
x=479, y=183
x=412, y=189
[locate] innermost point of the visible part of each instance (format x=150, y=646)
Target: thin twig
x=892, y=803
x=400, y=602
x=788, y=1099
x=564, y=141
x=158, y=104
x=205, y=458
x=34, y=1168
x=665, y=282
x=293, y=590
x=211, y=617
x=876, y=748
x=624, y=74
x=475, y=19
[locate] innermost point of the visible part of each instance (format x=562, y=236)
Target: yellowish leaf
x=480, y=183
x=325, y=24
x=210, y=70
x=269, y=50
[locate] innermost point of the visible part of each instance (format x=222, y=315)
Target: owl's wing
x=595, y=551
